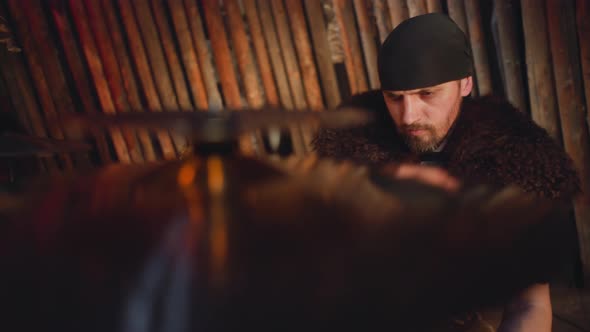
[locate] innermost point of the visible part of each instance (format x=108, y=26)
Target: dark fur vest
x=491, y=143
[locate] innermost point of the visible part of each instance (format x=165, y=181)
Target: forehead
x=409, y=92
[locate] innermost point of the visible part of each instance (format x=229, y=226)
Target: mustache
x=417, y=126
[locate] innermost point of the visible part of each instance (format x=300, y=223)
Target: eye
x=426, y=93
x=395, y=97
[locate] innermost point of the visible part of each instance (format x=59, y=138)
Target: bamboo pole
x=188, y=54
x=576, y=138
x=434, y=6
x=398, y=12
x=382, y=19
x=203, y=54
x=266, y=74
x=162, y=79
x=223, y=63
x=20, y=87
x=51, y=64
x=278, y=65
x=510, y=59
x=118, y=98
x=79, y=73
x=478, y=47
x=538, y=60
x=416, y=7
x=144, y=72
x=583, y=24
x=34, y=58
x=367, y=32
x=321, y=48
x=305, y=55
x=171, y=56
x=133, y=102
x=457, y=13
x=353, y=58
x=12, y=102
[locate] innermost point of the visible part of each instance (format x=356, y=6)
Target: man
x=425, y=68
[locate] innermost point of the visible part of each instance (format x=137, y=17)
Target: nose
x=409, y=110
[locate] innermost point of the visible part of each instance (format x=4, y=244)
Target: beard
x=428, y=142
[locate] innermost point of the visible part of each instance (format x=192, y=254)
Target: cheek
x=395, y=111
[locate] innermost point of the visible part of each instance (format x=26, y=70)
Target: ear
x=466, y=86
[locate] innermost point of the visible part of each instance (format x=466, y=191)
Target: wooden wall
x=118, y=56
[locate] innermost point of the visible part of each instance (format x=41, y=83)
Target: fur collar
x=492, y=143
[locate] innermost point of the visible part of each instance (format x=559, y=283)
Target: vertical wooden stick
x=382, y=19
x=157, y=60
x=188, y=54
x=144, y=72
x=272, y=97
x=398, y=12
x=117, y=98
x=353, y=58
x=203, y=54
x=304, y=53
x=171, y=56
x=223, y=61
x=278, y=65
x=127, y=75
x=33, y=57
x=576, y=139
x=323, y=57
x=478, y=46
x=416, y=7
x=539, y=71
x=79, y=72
x=367, y=32
x=510, y=59
x=434, y=6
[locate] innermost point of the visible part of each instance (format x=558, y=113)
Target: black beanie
x=424, y=51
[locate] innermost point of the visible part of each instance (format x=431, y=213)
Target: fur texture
x=492, y=143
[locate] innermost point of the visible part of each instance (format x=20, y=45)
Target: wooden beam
x=539, y=71
x=260, y=49
x=79, y=73
x=158, y=64
x=382, y=19
x=562, y=35
x=323, y=57
x=368, y=38
x=34, y=57
x=398, y=12
x=128, y=80
x=60, y=91
x=188, y=54
x=171, y=56
x=353, y=60
x=434, y=6
x=223, y=62
x=144, y=72
x=509, y=55
x=96, y=69
x=110, y=65
x=203, y=54
x=19, y=85
x=416, y=7
x=279, y=68
x=478, y=47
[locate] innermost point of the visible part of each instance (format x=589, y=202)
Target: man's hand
x=529, y=311
x=431, y=175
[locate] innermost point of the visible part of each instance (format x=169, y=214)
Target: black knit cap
x=424, y=51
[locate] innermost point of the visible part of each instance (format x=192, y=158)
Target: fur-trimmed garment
x=491, y=143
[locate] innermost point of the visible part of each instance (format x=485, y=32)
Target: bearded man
x=424, y=117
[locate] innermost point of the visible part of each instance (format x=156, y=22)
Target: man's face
x=424, y=116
